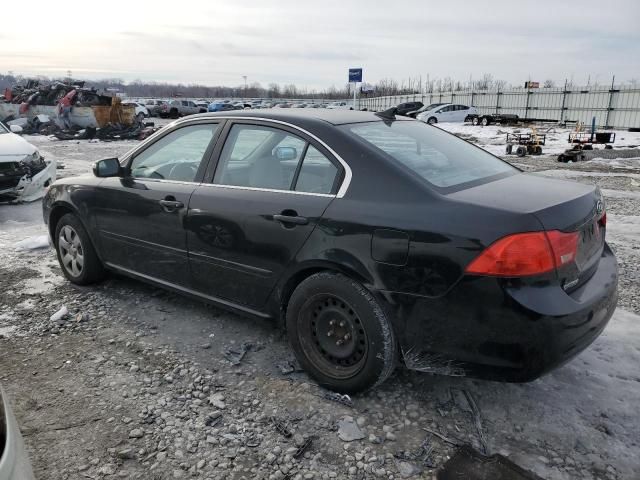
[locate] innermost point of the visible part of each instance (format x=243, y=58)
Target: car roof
x=303, y=115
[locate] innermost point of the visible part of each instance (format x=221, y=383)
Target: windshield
x=442, y=159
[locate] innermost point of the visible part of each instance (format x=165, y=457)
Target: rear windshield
x=442, y=159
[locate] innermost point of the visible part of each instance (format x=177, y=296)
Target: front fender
x=67, y=197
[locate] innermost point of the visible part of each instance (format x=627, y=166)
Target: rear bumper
x=503, y=329
x=14, y=463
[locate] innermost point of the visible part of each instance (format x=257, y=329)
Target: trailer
x=584, y=141
x=504, y=119
x=521, y=144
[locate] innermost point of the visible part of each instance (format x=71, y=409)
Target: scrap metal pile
x=91, y=116
x=43, y=125
x=34, y=93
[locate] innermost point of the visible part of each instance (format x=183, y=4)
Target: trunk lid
x=558, y=205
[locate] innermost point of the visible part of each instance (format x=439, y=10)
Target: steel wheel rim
x=71, y=251
x=332, y=336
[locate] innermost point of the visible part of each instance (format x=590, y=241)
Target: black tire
x=537, y=150
x=432, y=120
x=79, y=247
x=485, y=121
x=475, y=121
x=521, y=151
x=328, y=306
x=509, y=149
x=174, y=113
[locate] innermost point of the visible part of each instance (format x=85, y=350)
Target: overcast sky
x=313, y=43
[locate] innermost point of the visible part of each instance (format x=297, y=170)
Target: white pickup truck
x=180, y=108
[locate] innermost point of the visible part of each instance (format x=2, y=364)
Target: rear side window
x=269, y=158
x=441, y=159
x=317, y=174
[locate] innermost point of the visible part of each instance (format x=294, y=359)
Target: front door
x=271, y=186
x=140, y=217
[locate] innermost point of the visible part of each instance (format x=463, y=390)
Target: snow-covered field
x=493, y=137
x=128, y=357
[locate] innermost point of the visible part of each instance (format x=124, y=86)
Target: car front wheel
x=77, y=257
x=432, y=120
x=340, y=334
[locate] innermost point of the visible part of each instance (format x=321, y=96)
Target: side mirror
x=286, y=153
x=15, y=128
x=109, y=167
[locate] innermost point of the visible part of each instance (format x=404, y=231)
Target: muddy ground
x=139, y=383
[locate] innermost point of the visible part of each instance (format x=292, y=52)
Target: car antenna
x=388, y=114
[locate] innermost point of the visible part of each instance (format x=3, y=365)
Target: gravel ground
x=139, y=383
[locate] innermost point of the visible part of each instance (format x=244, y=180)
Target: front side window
x=176, y=156
x=441, y=159
x=264, y=157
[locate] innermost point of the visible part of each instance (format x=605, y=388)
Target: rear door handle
x=170, y=205
x=291, y=219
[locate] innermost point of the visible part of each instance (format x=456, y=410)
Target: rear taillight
x=603, y=220
x=526, y=254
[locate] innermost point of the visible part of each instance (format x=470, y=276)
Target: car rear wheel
x=432, y=120
x=77, y=257
x=475, y=121
x=340, y=334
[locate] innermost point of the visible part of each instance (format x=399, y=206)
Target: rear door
x=460, y=112
x=445, y=114
x=270, y=187
x=141, y=217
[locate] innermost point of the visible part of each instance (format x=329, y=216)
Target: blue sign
x=355, y=75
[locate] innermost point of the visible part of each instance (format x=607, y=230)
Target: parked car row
x=176, y=108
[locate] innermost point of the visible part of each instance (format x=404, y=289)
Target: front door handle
x=291, y=219
x=170, y=204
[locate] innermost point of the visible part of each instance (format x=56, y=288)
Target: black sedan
x=372, y=238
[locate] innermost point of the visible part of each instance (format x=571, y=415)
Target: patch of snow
x=33, y=243
x=609, y=193
x=5, y=332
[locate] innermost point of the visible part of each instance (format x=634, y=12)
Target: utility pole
x=245, y=85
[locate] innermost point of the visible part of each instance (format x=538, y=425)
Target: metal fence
x=613, y=108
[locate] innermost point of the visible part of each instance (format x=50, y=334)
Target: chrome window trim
x=272, y=190
x=346, y=181
x=236, y=187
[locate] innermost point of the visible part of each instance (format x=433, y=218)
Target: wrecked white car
x=14, y=463
x=24, y=172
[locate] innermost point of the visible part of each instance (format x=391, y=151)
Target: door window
x=317, y=174
x=176, y=156
x=259, y=157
